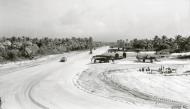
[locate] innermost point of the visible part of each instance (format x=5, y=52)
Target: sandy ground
x=59, y=91
x=47, y=83
x=123, y=82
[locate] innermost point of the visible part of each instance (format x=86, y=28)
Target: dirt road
x=49, y=85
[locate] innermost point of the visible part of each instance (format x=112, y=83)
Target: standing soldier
x=112, y=58
x=0, y=103
x=90, y=44
x=143, y=69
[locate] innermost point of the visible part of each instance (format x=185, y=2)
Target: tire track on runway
x=109, y=81
x=32, y=99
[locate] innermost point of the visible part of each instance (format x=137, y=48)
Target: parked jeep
x=63, y=59
x=145, y=57
x=102, y=58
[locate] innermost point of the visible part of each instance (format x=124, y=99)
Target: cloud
x=102, y=19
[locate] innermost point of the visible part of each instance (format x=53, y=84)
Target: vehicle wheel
x=143, y=60
x=116, y=55
x=124, y=55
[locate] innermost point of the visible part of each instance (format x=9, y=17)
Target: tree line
x=177, y=44
x=15, y=48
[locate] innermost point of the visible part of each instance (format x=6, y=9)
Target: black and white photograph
x=94, y=54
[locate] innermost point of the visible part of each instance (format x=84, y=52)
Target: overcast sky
x=102, y=19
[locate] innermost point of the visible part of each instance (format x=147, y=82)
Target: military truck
x=144, y=57
x=63, y=59
x=102, y=58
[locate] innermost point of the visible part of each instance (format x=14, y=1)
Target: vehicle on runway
x=63, y=59
x=146, y=57
x=102, y=58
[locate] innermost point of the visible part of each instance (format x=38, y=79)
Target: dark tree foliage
x=176, y=44
x=25, y=47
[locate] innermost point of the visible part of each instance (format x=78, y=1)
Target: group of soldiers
x=162, y=70
x=145, y=69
